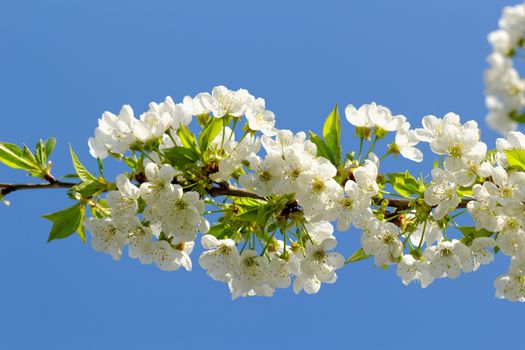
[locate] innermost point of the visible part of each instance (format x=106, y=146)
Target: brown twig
x=221, y=189
x=225, y=189
x=5, y=189
x=402, y=204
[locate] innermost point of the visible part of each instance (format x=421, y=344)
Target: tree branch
x=222, y=189
x=402, y=204
x=8, y=188
x=225, y=189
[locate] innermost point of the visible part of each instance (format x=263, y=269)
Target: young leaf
x=210, y=131
x=100, y=210
x=516, y=116
x=357, y=256
x=470, y=233
x=246, y=203
x=405, y=184
x=49, y=146
x=181, y=156
x=40, y=154
x=322, y=148
x=65, y=222
x=81, y=230
x=187, y=138
x=464, y=191
x=38, y=170
x=250, y=215
x=516, y=158
x=82, y=172
x=90, y=188
x=220, y=231
x=70, y=176
x=100, y=167
x=332, y=134
x=14, y=157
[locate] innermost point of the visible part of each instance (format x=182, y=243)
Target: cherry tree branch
x=225, y=189
x=222, y=189
x=402, y=204
x=8, y=188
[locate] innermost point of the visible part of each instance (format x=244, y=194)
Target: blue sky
x=65, y=62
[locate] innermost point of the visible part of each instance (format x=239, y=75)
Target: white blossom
x=382, y=118
x=381, y=239
x=152, y=124
x=349, y=204
x=442, y=193
x=113, y=134
x=261, y=119
x=318, y=266
x=405, y=141
x=448, y=258
x=480, y=251
x=317, y=189
x=220, y=258
x=410, y=269
x=223, y=101
x=511, y=239
x=123, y=202
x=511, y=286
x=107, y=237
x=429, y=231
x=359, y=117
x=167, y=257
x=484, y=210
x=251, y=275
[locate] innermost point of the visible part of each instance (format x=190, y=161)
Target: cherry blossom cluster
x=268, y=205
x=274, y=196
x=505, y=89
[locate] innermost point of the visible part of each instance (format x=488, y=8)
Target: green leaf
x=100, y=210
x=322, y=148
x=332, y=134
x=247, y=203
x=90, y=188
x=100, y=167
x=464, y=191
x=40, y=154
x=357, y=256
x=81, y=230
x=66, y=222
x=14, y=157
x=470, y=233
x=70, y=176
x=187, y=138
x=264, y=213
x=131, y=162
x=516, y=116
x=82, y=172
x=516, y=158
x=49, y=146
x=250, y=215
x=181, y=156
x=210, y=131
x=38, y=168
x=405, y=184
x=220, y=231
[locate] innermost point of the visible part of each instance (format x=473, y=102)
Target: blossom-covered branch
x=266, y=202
